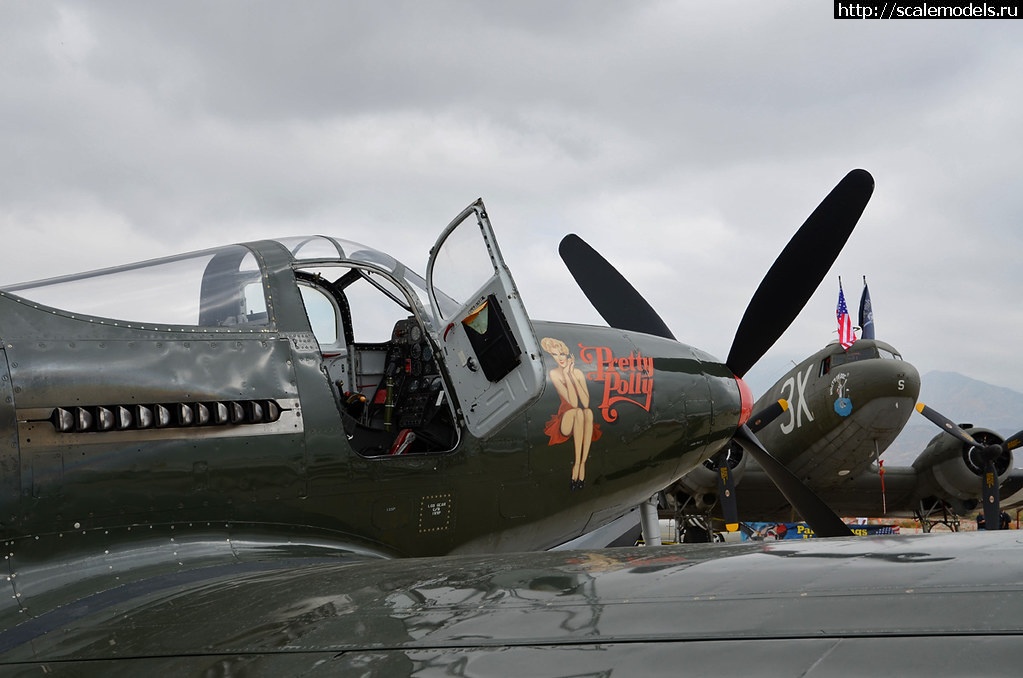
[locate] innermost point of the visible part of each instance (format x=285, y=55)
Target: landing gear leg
x=693, y=525
x=695, y=530
x=650, y=522
x=937, y=513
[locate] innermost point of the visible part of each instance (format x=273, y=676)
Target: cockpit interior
x=390, y=389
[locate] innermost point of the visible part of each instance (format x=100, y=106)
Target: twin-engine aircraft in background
x=187, y=421
x=845, y=405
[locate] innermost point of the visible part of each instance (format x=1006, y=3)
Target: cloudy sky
x=684, y=140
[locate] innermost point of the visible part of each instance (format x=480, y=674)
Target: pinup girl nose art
x=574, y=418
x=620, y=380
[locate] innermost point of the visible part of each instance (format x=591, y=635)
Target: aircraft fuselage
x=116, y=427
x=845, y=408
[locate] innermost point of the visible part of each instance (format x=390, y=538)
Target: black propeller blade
x=988, y=455
x=818, y=515
x=798, y=270
x=989, y=493
x=615, y=299
x=947, y=424
x=723, y=462
x=726, y=492
x=765, y=416
x=786, y=288
x=788, y=285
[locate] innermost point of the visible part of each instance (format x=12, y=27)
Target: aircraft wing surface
x=857, y=496
x=907, y=605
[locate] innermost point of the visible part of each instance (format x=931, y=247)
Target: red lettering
x=626, y=379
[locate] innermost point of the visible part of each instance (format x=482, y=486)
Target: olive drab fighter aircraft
x=161, y=418
x=845, y=405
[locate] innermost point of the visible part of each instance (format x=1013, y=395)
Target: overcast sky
x=686, y=141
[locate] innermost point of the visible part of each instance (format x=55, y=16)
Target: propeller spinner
x=785, y=289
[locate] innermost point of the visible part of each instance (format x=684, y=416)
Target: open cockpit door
x=491, y=353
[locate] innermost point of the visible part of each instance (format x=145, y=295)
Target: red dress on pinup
x=553, y=426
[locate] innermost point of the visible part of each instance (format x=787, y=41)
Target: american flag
x=846, y=335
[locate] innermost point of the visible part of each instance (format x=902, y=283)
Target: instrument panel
x=418, y=388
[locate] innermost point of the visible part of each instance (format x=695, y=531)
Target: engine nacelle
x=952, y=471
x=702, y=482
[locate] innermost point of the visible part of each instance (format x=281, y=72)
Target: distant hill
x=964, y=401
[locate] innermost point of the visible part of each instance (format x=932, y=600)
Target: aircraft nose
x=907, y=378
x=885, y=378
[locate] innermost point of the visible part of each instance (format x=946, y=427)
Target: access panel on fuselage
x=226, y=424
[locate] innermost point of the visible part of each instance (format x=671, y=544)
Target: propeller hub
x=745, y=400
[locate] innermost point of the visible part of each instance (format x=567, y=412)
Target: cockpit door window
x=323, y=315
x=491, y=352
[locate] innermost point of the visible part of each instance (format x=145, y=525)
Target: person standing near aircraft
x=1004, y=521
x=574, y=417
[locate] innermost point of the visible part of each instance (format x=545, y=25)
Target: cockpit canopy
x=225, y=288
x=863, y=349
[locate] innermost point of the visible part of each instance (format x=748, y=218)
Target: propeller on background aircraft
x=724, y=461
x=988, y=455
x=785, y=289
